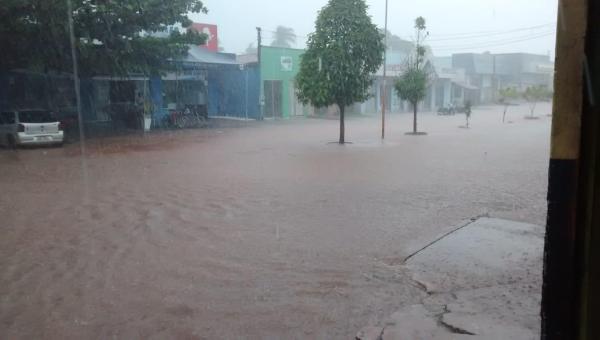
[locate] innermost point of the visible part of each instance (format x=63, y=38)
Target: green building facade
x=278, y=70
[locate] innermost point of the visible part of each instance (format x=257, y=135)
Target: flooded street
x=262, y=232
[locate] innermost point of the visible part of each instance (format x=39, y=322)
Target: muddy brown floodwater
x=263, y=232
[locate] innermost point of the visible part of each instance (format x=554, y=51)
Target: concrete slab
x=485, y=327
x=484, y=282
x=370, y=333
x=488, y=252
x=413, y=322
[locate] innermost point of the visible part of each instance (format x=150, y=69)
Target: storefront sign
x=212, y=42
x=287, y=64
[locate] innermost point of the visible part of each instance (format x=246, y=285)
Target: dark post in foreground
x=570, y=298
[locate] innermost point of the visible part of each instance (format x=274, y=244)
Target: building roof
x=442, y=62
x=282, y=48
x=197, y=54
x=465, y=85
x=503, y=63
x=247, y=58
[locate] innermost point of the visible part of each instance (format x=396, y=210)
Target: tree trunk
x=415, y=118
x=342, y=124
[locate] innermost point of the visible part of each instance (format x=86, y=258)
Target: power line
x=497, y=41
x=464, y=35
x=494, y=44
x=485, y=35
x=474, y=36
x=494, y=32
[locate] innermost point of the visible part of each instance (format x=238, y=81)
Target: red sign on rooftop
x=212, y=42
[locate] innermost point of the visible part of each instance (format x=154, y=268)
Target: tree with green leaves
x=111, y=37
x=412, y=87
x=283, y=37
x=342, y=55
x=412, y=84
x=534, y=94
x=506, y=95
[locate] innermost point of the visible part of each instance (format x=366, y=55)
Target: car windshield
x=36, y=117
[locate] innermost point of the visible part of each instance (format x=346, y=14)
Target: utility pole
x=259, y=43
x=261, y=99
x=77, y=85
x=76, y=76
x=495, y=86
x=384, y=87
x=246, y=111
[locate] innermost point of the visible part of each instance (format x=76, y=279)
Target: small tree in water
x=342, y=56
x=506, y=95
x=535, y=94
x=412, y=87
x=412, y=84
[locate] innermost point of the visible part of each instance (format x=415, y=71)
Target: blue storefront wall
x=156, y=93
x=233, y=92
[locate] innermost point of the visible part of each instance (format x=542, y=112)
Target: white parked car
x=30, y=127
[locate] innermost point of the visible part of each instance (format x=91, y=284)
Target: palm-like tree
x=283, y=37
x=251, y=49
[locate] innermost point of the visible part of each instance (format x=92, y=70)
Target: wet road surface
x=260, y=232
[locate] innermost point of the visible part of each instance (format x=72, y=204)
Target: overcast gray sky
x=454, y=25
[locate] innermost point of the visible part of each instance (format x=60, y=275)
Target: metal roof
x=198, y=54
x=465, y=86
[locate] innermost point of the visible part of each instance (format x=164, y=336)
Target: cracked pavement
x=482, y=282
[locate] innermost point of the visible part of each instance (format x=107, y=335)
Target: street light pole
x=246, y=112
x=77, y=85
x=76, y=76
x=384, y=87
x=261, y=92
